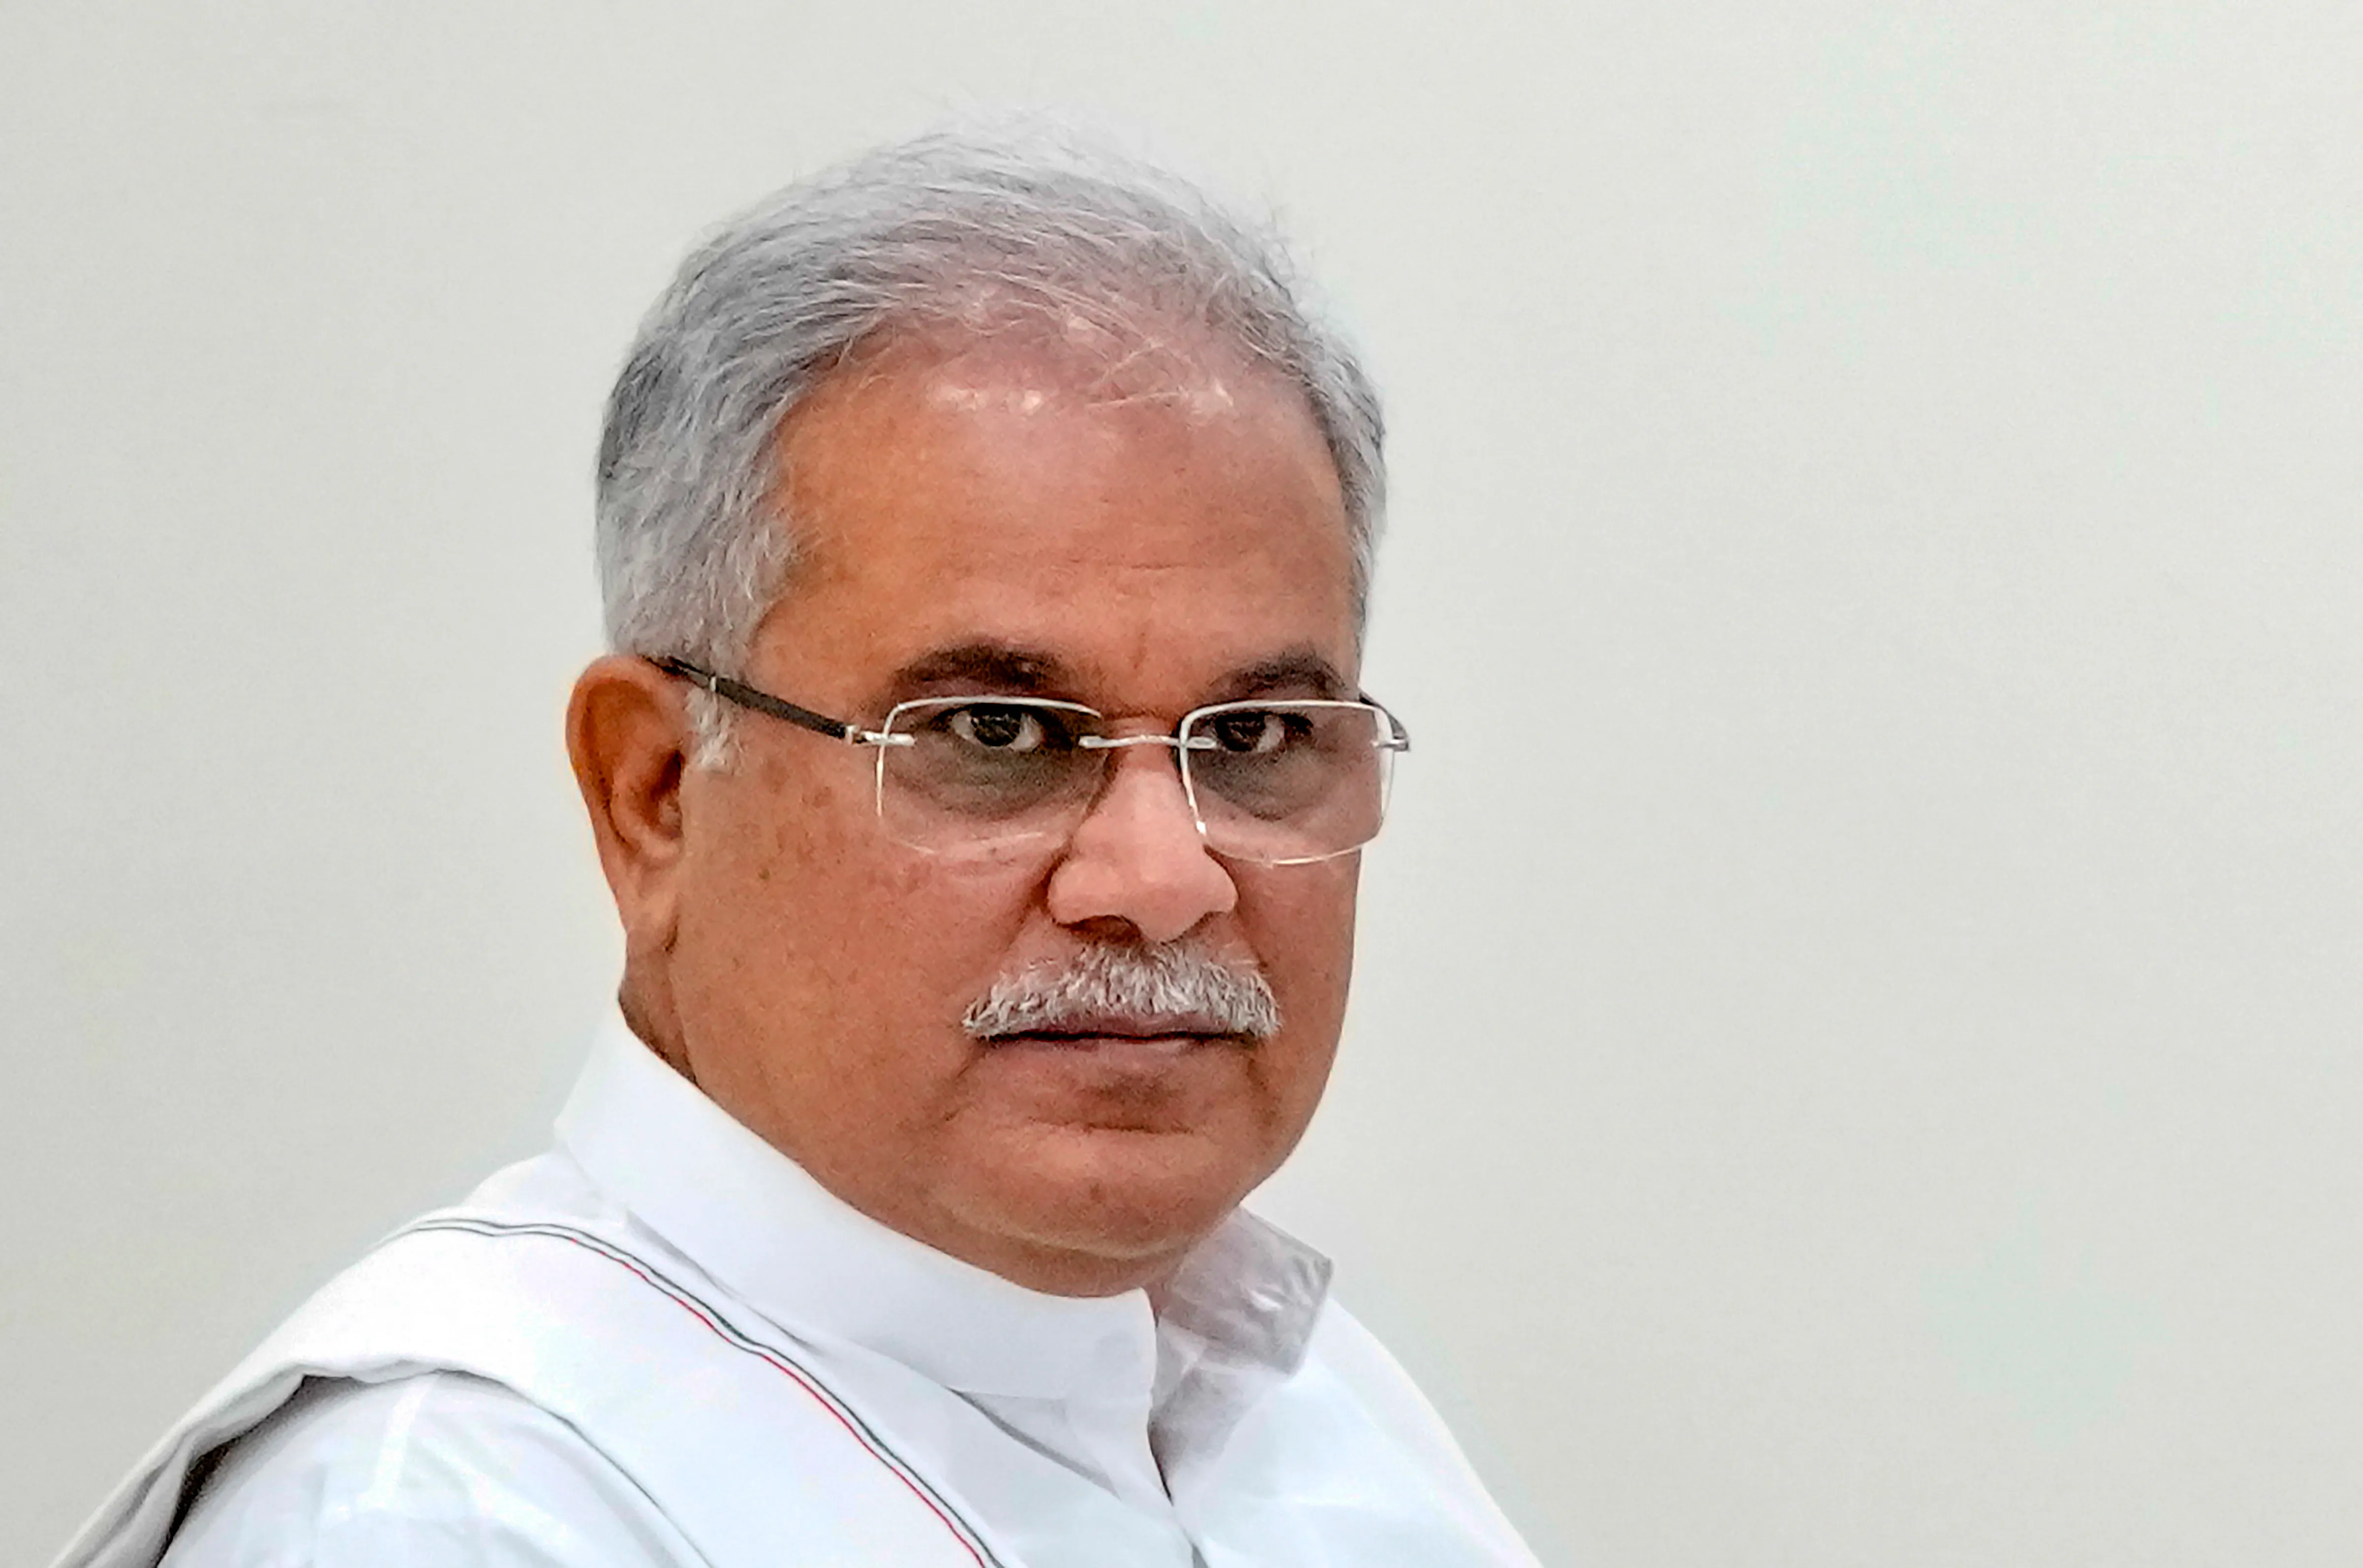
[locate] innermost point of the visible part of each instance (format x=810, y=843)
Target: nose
x=1138, y=857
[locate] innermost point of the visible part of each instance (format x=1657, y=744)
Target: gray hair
x=961, y=230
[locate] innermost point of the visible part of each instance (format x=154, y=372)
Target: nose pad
x=1112, y=782
x=1137, y=855
x=1114, y=768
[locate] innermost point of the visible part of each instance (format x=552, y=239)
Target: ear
x=628, y=735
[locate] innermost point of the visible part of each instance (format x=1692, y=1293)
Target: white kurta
x=662, y=1343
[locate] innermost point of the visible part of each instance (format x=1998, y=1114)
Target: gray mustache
x=1174, y=981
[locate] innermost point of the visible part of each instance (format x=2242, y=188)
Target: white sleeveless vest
x=773, y=1440
x=689, y=1397
x=658, y=1378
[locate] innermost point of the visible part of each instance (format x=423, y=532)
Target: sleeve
x=438, y=1471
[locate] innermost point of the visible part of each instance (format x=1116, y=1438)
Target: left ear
x=628, y=737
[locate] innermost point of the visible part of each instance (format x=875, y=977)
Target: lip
x=1173, y=1033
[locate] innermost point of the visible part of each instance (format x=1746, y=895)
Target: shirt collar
x=765, y=1230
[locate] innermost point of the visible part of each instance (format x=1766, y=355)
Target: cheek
x=1306, y=912
x=871, y=937
x=1299, y=923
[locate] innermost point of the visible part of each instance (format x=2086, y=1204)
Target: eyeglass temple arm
x=746, y=696
x=1397, y=738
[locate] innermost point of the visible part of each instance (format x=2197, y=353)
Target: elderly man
x=981, y=774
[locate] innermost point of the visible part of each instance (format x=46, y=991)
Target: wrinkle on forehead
x=923, y=399
x=1203, y=396
x=1030, y=368
x=985, y=397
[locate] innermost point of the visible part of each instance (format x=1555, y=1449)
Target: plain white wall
x=1855, y=1057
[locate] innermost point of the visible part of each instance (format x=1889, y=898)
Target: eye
x=1256, y=732
x=1000, y=726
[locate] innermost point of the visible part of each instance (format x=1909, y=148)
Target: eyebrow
x=982, y=667
x=1297, y=669
x=1018, y=670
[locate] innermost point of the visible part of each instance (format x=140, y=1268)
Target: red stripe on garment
x=796, y=1375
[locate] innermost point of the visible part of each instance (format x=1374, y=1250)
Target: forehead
x=1149, y=523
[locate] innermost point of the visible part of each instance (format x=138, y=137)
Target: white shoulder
x=432, y=1471
x=1352, y=1355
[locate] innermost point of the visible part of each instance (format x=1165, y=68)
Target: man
x=981, y=775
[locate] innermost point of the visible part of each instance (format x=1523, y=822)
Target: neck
x=647, y=1004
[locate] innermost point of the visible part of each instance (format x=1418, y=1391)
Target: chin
x=1131, y=1199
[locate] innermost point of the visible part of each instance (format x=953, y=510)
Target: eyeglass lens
x=1273, y=783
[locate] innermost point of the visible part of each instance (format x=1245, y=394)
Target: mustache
x=1178, y=984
